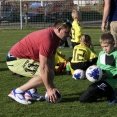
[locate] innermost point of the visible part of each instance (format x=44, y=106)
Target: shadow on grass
x=75, y=97
x=2, y=61
x=67, y=98
x=4, y=69
x=72, y=99
x=58, y=74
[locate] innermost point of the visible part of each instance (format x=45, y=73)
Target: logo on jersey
x=102, y=86
x=30, y=67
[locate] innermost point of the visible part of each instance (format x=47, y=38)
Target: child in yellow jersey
x=76, y=31
x=83, y=56
x=60, y=62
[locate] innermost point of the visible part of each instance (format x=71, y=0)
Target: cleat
x=112, y=102
x=114, y=98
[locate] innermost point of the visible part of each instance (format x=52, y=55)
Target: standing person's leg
x=70, y=43
x=66, y=44
x=113, y=30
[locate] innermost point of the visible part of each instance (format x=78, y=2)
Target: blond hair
x=75, y=14
x=85, y=40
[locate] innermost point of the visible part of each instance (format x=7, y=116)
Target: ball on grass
x=59, y=97
x=78, y=74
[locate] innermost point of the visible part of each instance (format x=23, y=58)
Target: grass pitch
x=70, y=88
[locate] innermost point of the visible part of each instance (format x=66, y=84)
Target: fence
x=17, y=14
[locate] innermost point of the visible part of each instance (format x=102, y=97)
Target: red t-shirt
x=43, y=42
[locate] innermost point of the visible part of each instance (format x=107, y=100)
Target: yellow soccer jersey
x=59, y=58
x=76, y=32
x=82, y=54
x=93, y=55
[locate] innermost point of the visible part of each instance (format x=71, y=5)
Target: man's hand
x=52, y=94
x=103, y=26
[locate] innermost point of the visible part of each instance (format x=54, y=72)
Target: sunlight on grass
x=70, y=88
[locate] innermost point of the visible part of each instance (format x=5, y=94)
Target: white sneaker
x=19, y=97
x=32, y=94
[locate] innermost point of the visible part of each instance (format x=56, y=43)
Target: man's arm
x=105, y=13
x=52, y=63
x=47, y=75
x=45, y=72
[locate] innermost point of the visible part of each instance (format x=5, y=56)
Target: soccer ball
x=94, y=73
x=78, y=74
x=59, y=96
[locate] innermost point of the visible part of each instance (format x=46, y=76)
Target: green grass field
x=70, y=88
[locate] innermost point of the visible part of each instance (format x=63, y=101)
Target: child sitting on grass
x=60, y=62
x=107, y=61
x=83, y=56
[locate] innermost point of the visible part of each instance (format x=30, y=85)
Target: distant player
x=76, y=28
x=83, y=56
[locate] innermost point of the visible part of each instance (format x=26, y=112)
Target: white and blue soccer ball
x=94, y=73
x=78, y=74
x=59, y=97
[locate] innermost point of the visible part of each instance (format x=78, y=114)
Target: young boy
x=107, y=61
x=76, y=29
x=83, y=56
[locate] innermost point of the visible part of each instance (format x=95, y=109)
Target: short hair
x=106, y=38
x=74, y=14
x=62, y=23
x=85, y=39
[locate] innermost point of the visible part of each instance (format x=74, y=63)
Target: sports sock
x=32, y=90
x=18, y=90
